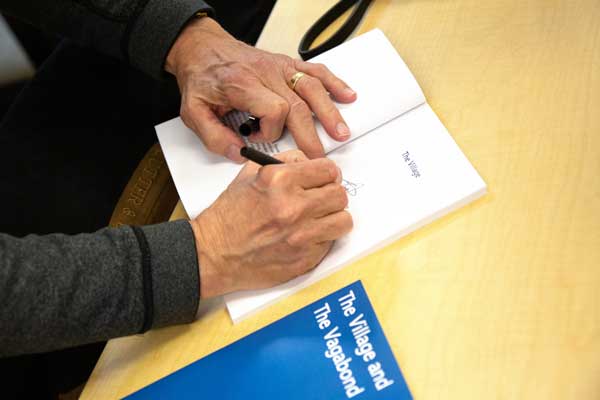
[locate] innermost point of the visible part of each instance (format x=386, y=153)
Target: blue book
x=331, y=349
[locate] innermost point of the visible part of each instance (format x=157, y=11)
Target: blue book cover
x=331, y=349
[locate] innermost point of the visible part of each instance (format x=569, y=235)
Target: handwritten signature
x=351, y=187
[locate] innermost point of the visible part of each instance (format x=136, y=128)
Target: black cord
x=327, y=19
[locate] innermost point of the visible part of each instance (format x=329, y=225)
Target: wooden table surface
x=501, y=299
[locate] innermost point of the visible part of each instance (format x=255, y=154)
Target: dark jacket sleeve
x=58, y=291
x=138, y=31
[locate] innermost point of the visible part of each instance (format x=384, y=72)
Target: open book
x=401, y=167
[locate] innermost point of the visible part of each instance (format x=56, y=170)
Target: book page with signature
x=401, y=168
x=400, y=177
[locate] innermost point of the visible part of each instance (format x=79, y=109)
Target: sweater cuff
x=156, y=29
x=174, y=272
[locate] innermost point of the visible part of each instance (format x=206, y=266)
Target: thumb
x=216, y=136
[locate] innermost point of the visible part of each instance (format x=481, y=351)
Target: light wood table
x=500, y=300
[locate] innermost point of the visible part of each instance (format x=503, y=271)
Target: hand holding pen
x=272, y=223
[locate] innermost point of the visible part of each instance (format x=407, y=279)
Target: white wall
x=14, y=64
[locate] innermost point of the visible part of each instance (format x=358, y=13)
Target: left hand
x=217, y=73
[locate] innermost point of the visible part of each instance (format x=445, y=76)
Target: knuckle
x=281, y=108
x=265, y=176
x=299, y=107
x=295, y=155
x=287, y=64
x=210, y=143
x=263, y=62
x=287, y=60
x=298, y=63
x=186, y=111
x=298, y=266
x=279, y=177
x=329, y=167
x=341, y=194
x=285, y=215
x=313, y=84
x=297, y=239
x=347, y=221
x=270, y=135
x=304, y=265
x=298, y=155
x=231, y=73
x=321, y=68
x=271, y=177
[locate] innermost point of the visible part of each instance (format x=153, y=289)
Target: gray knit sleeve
x=138, y=31
x=59, y=291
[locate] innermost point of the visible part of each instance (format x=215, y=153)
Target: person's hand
x=270, y=225
x=217, y=73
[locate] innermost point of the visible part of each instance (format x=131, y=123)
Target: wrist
x=194, y=36
x=213, y=281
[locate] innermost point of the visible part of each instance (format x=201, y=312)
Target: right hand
x=270, y=225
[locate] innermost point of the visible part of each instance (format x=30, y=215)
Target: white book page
x=401, y=176
x=368, y=63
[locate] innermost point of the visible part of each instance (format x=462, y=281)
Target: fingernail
x=349, y=92
x=340, y=176
x=233, y=153
x=342, y=130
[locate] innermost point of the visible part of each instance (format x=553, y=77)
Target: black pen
x=251, y=125
x=258, y=156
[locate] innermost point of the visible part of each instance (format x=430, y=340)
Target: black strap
x=327, y=19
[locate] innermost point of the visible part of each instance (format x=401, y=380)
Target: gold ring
x=294, y=81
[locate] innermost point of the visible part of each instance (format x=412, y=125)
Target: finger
x=265, y=104
x=330, y=227
x=217, y=137
x=288, y=157
x=312, y=90
x=326, y=200
x=301, y=125
x=291, y=156
x=300, y=121
x=338, y=88
x=314, y=173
